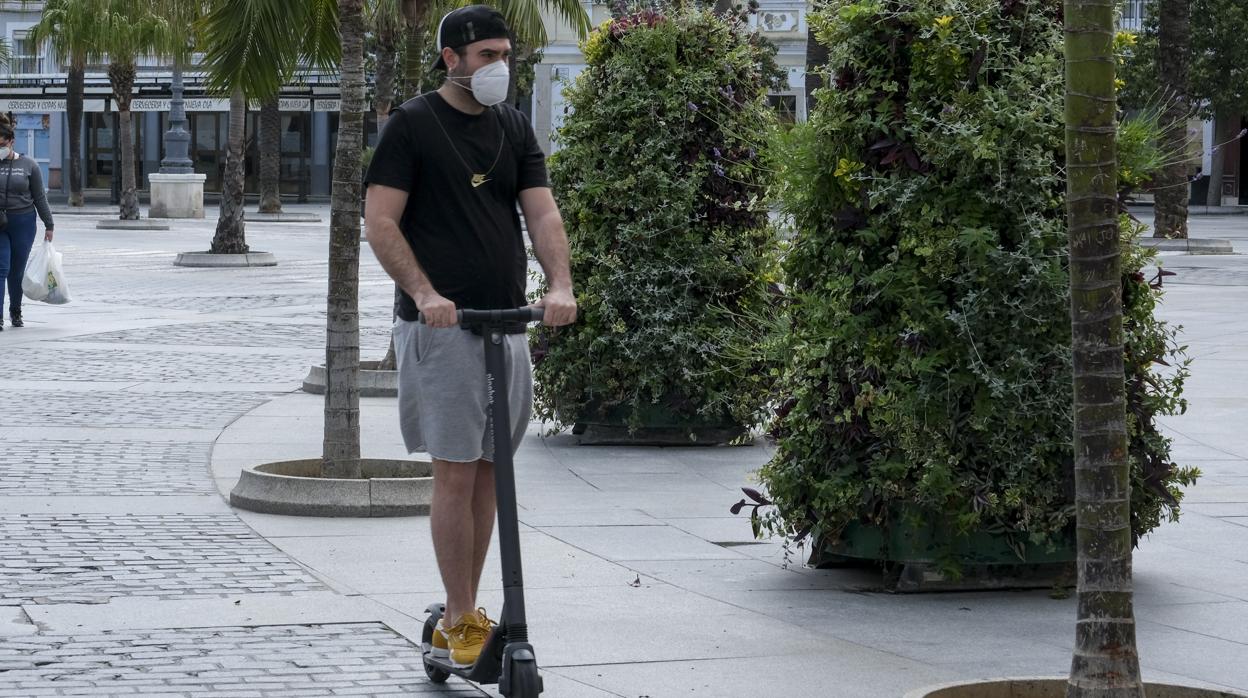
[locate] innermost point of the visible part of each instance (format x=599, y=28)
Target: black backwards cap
x=469, y=25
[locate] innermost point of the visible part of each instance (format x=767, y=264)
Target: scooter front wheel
x=525, y=681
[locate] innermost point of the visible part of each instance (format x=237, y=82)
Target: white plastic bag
x=44, y=278
x=34, y=278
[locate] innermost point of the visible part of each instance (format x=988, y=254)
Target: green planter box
x=911, y=557
x=661, y=426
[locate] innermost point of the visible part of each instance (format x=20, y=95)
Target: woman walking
x=21, y=195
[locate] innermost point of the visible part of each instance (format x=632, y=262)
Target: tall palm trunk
x=121, y=76
x=387, y=58
x=1222, y=132
x=1171, y=194
x=341, y=452
x=73, y=109
x=1106, y=663
x=413, y=51
x=270, y=156
x=231, y=235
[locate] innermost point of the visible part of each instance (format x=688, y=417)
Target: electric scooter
x=507, y=658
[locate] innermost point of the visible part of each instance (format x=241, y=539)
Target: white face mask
x=489, y=83
x=5, y=152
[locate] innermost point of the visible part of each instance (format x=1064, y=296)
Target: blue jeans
x=15, y=242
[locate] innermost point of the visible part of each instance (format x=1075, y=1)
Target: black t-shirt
x=467, y=239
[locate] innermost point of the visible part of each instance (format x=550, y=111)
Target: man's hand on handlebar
x=435, y=310
x=560, y=307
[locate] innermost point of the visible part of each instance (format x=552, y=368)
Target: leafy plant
x=927, y=343
x=662, y=178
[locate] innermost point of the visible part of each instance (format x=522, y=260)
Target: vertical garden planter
x=662, y=177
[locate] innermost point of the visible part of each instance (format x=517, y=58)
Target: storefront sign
x=32, y=106
x=330, y=105
x=190, y=104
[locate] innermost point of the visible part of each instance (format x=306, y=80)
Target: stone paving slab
x=359, y=659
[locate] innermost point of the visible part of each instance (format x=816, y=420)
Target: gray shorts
x=443, y=398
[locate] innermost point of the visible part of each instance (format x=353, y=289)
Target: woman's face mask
x=6, y=149
x=489, y=83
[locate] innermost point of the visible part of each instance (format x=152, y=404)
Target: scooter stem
x=513, y=616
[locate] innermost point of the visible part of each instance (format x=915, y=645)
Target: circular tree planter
x=1050, y=688
x=295, y=488
x=373, y=383
x=140, y=224
x=283, y=217
x=211, y=260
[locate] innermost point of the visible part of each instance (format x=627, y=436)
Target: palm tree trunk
x=1217, y=159
x=73, y=108
x=1106, y=662
x=129, y=194
x=341, y=452
x=121, y=78
x=270, y=156
x=231, y=235
x=414, y=67
x=1171, y=193
x=387, y=57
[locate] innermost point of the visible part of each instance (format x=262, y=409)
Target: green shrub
x=928, y=341
x=662, y=179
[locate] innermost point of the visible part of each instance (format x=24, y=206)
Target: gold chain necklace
x=477, y=178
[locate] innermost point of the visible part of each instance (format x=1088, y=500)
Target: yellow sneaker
x=441, y=650
x=467, y=637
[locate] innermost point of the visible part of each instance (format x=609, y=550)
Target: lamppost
x=177, y=190
x=177, y=139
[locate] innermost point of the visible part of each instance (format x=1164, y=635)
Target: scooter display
x=507, y=658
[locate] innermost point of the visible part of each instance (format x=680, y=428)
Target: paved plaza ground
x=126, y=416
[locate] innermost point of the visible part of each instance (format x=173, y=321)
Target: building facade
x=33, y=90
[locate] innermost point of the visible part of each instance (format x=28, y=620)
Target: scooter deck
x=489, y=665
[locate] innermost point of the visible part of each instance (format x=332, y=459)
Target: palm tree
x=125, y=31
x=385, y=18
x=341, y=449
x=1173, y=38
x=250, y=48
x=69, y=27
x=270, y=148
x=1106, y=663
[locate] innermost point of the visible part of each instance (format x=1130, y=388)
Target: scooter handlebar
x=527, y=314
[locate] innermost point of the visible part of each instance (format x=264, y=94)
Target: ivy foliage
x=662, y=178
x=927, y=343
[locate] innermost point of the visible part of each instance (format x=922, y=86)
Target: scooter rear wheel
x=435, y=674
x=525, y=681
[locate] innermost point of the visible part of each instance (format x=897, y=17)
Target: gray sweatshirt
x=23, y=191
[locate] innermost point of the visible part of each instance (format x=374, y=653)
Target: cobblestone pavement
x=90, y=558
x=103, y=468
x=104, y=408
x=230, y=662
x=235, y=334
x=109, y=406
x=141, y=365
